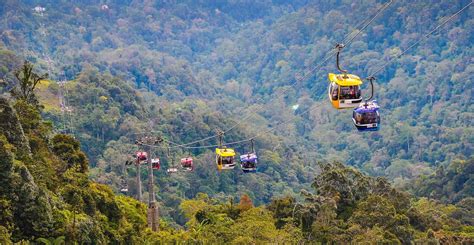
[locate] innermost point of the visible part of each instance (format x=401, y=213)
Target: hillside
x=45, y=195
x=185, y=69
x=45, y=191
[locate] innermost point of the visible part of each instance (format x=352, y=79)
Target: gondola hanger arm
x=339, y=48
x=371, y=79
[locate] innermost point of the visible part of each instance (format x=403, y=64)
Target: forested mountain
x=184, y=69
x=45, y=191
x=46, y=196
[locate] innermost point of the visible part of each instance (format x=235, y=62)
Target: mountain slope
x=185, y=69
x=44, y=187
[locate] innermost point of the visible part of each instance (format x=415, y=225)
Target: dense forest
x=47, y=197
x=184, y=69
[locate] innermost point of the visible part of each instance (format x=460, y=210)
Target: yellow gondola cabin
x=344, y=90
x=225, y=158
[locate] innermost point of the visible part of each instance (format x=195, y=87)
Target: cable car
x=171, y=167
x=155, y=163
x=141, y=157
x=344, y=89
x=366, y=117
x=124, y=188
x=187, y=164
x=248, y=162
x=225, y=158
x=172, y=170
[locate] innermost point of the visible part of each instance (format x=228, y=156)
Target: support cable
x=311, y=109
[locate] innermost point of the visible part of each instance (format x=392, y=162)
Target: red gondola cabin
x=155, y=163
x=142, y=157
x=187, y=164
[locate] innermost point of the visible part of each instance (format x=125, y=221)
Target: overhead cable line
x=311, y=109
x=365, y=23
x=379, y=11
x=66, y=117
x=420, y=40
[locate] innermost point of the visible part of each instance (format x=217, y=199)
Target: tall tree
x=27, y=82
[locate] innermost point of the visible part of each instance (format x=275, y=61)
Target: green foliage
x=211, y=221
x=5, y=235
x=190, y=67
x=12, y=131
x=67, y=148
x=449, y=184
x=183, y=69
x=52, y=241
x=283, y=210
x=349, y=206
x=28, y=114
x=45, y=190
x=27, y=82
